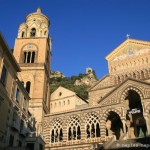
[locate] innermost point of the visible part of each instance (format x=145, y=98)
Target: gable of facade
x=120, y=93
x=61, y=92
x=63, y=100
x=100, y=89
x=128, y=56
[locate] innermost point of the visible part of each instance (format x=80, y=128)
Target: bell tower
x=32, y=51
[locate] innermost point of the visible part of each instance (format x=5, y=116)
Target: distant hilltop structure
x=89, y=78
x=56, y=74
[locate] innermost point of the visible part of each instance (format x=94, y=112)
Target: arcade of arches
x=118, y=105
x=128, y=120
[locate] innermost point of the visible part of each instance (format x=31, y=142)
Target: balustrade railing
x=71, y=142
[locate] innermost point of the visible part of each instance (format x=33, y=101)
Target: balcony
x=15, y=125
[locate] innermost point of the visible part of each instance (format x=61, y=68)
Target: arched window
x=45, y=32
x=22, y=35
x=56, y=131
x=74, y=132
x=33, y=32
x=28, y=84
x=92, y=126
x=59, y=103
x=29, y=57
x=68, y=101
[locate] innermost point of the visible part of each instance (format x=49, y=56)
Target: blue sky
x=84, y=32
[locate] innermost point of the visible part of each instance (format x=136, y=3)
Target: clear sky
x=84, y=32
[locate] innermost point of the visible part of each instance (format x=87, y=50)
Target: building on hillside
x=89, y=79
x=56, y=74
x=63, y=100
x=16, y=120
x=119, y=104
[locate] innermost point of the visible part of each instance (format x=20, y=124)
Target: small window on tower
x=60, y=93
x=22, y=34
x=29, y=57
x=3, y=75
x=33, y=32
x=28, y=84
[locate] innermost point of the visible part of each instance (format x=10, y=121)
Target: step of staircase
x=130, y=144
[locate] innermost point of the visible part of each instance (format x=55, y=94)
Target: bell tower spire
x=32, y=51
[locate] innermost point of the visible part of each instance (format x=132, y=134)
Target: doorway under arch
x=135, y=114
x=114, y=125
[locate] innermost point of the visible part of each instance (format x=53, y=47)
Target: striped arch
x=104, y=119
x=45, y=124
x=92, y=125
x=106, y=113
x=147, y=110
x=72, y=117
x=91, y=113
x=53, y=122
x=125, y=93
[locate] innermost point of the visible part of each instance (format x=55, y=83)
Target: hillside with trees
x=79, y=84
x=68, y=82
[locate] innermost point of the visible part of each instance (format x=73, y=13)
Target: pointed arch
x=56, y=130
x=92, y=125
x=73, y=128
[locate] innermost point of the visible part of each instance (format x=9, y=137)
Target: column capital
x=123, y=118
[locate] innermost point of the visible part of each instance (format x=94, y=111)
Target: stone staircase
x=130, y=144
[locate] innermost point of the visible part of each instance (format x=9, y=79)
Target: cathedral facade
x=118, y=107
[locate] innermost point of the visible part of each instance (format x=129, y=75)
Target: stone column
x=128, y=126
x=108, y=126
x=102, y=129
x=58, y=135
x=71, y=133
x=83, y=131
x=124, y=125
x=65, y=134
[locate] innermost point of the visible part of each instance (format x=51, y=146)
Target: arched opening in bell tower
x=28, y=84
x=33, y=32
x=22, y=35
